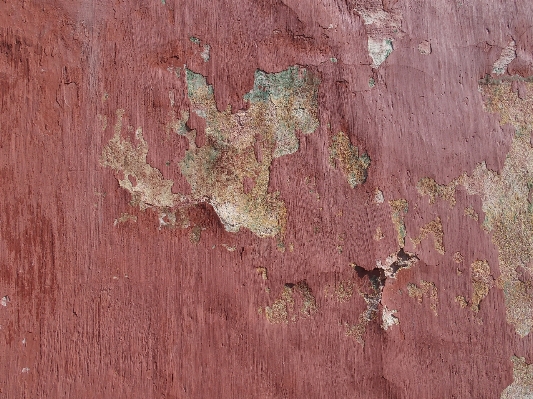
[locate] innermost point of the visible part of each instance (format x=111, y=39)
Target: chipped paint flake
x=4, y=301
x=124, y=218
x=379, y=50
x=381, y=26
x=378, y=196
x=205, y=52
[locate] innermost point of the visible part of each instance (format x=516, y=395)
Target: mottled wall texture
x=266, y=199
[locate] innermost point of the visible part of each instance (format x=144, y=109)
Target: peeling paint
x=399, y=208
x=429, y=187
x=378, y=196
x=344, y=291
x=427, y=289
x=482, y=282
x=506, y=201
x=353, y=165
x=522, y=386
x=470, y=212
x=280, y=104
x=461, y=300
x=372, y=307
x=380, y=27
x=458, y=257
x=145, y=183
x=424, y=47
x=4, y=301
x=124, y=218
x=379, y=50
x=262, y=271
x=388, y=319
x=282, y=310
x=435, y=229
x=507, y=56
x=240, y=146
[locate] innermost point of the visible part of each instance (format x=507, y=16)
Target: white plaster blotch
x=205, y=53
x=522, y=386
x=378, y=196
x=507, y=56
x=4, y=301
x=388, y=319
x=379, y=50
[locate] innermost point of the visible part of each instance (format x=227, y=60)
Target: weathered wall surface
x=266, y=199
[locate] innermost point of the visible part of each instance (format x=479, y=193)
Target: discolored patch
x=353, y=165
x=399, y=208
x=482, y=282
x=283, y=308
x=427, y=289
x=280, y=104
x=435, y=229
x=522, y=386
x=145, y=183
x=429, y=187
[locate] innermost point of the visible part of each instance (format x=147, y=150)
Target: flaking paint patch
x=429, y=187
x=353, y=165
x=145, y=183
x=522, y=385
x=283, y=308
x=506, y=201
x=399, y=208
x=388, y=319
x=427, y=290
x=280, y=104
x=381, y=27
x=507, y=56
x=358, y=330
x=482, y=282
x=435, y=229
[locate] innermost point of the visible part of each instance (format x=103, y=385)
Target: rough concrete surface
x=266, y=199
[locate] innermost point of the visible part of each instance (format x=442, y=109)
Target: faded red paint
x=130, y=310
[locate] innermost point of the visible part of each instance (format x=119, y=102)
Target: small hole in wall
x=248, y=184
